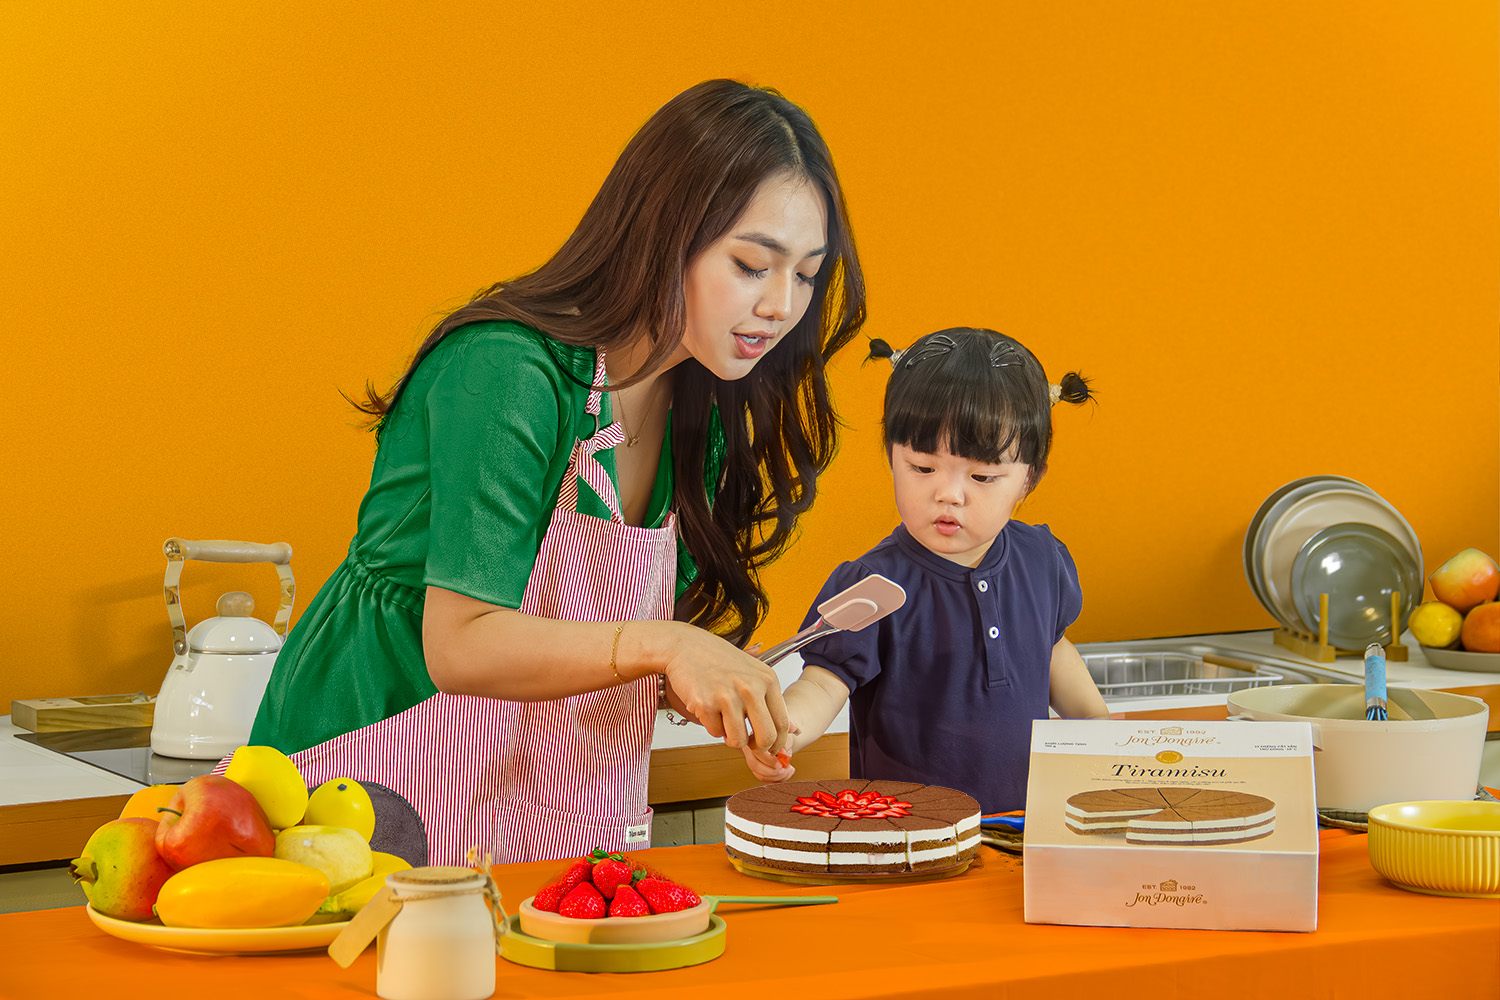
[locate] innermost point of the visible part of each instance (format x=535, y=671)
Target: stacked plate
x=1332, y=535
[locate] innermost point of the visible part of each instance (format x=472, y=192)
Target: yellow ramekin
x=1438, y=847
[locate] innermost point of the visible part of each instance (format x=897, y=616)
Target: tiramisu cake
x=1172, y=815
x=852, y=826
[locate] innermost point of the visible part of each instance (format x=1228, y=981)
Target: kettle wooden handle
x=219, y=550
x=179, y=550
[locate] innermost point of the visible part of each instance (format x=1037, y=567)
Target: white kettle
x=220, y=669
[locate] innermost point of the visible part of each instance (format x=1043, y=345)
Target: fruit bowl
x=1458, y=659
x=651, y=929
x=1443, y=848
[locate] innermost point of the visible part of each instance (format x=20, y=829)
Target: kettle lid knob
x=235, y=604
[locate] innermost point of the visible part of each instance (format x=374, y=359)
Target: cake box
x=1166, y=823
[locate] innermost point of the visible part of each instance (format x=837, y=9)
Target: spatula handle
x=787, y=647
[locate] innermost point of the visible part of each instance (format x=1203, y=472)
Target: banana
x=353, y=899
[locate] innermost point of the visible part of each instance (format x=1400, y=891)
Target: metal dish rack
x=1164, y=674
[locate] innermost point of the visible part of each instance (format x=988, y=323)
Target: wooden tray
x=523, y=949
x=874, y=878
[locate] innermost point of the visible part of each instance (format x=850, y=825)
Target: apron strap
x=583, y=464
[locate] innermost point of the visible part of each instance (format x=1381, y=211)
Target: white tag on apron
x=638, y=834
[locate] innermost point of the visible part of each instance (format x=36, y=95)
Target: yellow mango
x=242, y=892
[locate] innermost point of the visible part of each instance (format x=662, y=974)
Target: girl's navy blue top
x=943, y=691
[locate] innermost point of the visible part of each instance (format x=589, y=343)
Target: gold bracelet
x=614, y=650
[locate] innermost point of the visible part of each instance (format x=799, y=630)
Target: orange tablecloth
x=962, y=937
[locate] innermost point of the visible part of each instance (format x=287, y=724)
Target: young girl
x=576, y=458
x=944, y=690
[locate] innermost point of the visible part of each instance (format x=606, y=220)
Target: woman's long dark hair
x=679, y=185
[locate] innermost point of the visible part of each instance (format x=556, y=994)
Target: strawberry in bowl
x=604, y=899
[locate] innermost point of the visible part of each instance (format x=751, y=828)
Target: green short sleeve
x=501, y=419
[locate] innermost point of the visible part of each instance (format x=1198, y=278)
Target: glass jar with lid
x=442, y=943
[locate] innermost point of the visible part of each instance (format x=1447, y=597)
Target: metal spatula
x=850, y=610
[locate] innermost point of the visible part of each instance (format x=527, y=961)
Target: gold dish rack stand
x=1317, y=647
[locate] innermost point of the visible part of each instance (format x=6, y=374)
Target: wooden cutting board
x=103, y=711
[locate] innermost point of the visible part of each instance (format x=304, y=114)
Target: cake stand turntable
x=747, y=867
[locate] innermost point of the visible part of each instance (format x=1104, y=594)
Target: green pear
x=338, y=852
x=119, y=869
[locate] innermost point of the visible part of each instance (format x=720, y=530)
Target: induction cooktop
x=126, y=752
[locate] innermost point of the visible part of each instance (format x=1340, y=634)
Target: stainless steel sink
x=1160, y=668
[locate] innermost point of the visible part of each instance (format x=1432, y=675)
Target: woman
x=497, y=641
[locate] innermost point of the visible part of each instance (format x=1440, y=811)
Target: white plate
x=1271, y=508
x=216, y=941
x=1305, y=518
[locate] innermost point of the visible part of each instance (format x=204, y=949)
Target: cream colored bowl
x=1430, y=748
x=651, y=929
x=1442, y=848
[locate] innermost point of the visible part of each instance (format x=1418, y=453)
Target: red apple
x=1481, y=631
x=212, y=817
x=120, y=871
x=1468, y=579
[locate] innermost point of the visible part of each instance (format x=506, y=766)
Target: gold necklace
x=631, y=440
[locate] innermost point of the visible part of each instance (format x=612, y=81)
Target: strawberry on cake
x=852, y=827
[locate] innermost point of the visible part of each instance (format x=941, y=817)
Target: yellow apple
x=336, y=851
x=1468, y=579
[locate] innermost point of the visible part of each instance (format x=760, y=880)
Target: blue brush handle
x=1375, y=701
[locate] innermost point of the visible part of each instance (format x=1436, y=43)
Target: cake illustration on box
x=852, y=827
x=1172, y=815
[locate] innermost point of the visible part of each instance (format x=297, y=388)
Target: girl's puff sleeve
x=1069, y=593
x=495, y=415
x=852, y=657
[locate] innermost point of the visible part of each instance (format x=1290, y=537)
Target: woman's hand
x=722, y=687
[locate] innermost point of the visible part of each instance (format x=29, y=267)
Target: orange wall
x=1267, y=230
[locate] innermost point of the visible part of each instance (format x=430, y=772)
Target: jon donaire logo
x=1180, y=736
x=1168, y=892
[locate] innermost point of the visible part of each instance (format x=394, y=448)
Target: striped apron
x=533, y=781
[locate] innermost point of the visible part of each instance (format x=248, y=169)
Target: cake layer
x=1171, y=815
x=1234, y=836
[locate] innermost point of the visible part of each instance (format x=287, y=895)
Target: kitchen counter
x=962, y=937
x=1414, y=672
x=49, y=803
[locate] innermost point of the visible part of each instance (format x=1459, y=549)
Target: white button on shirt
x=983, y=586
x=994, y=633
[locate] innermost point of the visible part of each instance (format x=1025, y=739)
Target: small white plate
x=1358, y=566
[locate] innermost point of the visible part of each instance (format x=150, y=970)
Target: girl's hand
x=770, y=767
x=722, y=687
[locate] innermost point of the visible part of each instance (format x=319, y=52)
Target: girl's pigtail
x=880, y=349
x=1073, y=388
